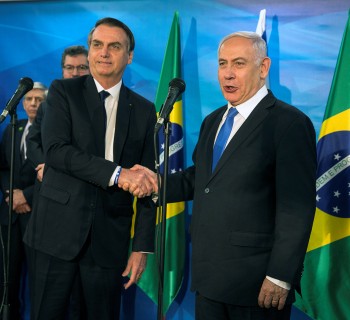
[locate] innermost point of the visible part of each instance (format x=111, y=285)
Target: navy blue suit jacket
x=253, y=215
x=24, y=174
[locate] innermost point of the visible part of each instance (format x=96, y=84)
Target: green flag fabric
x=326, y=277
x=175, y=224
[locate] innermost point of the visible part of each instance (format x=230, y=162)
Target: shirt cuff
x=115, y=176
x=280, y=283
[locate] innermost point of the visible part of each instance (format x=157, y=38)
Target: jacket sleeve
x=295, y=199
x=61, y=149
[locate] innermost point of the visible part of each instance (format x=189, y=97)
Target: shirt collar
x=114, y=91
x=246, y=108
x=28, y=124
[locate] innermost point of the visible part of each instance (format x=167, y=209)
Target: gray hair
x=40, y=86
x=258, y=43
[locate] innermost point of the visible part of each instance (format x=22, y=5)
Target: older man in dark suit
x=82, y=222
x=23, y=182
x=253, y=185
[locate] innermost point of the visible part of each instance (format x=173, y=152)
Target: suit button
x=206, y=190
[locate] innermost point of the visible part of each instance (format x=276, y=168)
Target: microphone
x=25, y=85
x=176, y=87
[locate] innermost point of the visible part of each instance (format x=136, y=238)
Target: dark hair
x=73, y=51
x=114, y=23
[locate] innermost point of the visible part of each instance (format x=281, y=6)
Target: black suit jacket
x=253, y=215
x=74, y=198
x=24, y=174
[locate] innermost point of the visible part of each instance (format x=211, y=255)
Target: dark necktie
x=223, y=135
x=103, y=95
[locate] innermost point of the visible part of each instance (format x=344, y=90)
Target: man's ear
x=131, y=56
x=265, y=67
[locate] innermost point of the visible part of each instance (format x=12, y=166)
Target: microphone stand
x=167, y=131
x=6, y=305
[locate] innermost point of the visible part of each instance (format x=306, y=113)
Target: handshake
x=138, y=180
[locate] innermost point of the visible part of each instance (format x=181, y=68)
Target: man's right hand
x=272, y=295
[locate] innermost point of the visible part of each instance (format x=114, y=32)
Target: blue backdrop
x=303, y=41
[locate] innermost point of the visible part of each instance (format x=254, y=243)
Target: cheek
x=91, y=57
x=220, y=77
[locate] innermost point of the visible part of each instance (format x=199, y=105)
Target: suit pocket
x=245, y=239
x=55, y=194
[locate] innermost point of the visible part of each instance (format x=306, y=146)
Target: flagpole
x=167, y=131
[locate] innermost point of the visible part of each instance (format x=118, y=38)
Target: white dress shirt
x=111, y=105
x=23, y=146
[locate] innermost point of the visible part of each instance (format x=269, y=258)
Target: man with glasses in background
x=74, y=64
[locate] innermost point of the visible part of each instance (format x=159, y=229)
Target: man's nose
x=34, y=102
x=75, y=72
x=230, y=72
x=105, y=51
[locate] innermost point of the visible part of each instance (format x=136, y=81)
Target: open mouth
x=230, y=89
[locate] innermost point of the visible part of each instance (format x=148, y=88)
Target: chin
x=233, y=100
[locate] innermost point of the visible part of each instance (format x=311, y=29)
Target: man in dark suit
x=254, y=202
x=23, y=183
x=82, y=222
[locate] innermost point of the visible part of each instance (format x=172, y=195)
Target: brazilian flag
x=326, y=277
x=175, y=225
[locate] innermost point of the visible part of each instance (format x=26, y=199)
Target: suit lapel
x=122, y=123
x=96, y=113
x=252, y=123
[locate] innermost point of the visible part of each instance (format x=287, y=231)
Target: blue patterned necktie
x=223, y=135
x=103, y=95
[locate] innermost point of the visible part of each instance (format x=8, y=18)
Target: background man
x=24, y=177
x=82, y=222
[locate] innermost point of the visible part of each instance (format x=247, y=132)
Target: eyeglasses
x=81, y=68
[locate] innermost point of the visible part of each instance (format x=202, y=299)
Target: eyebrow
x=109, y=43
x=234, y=59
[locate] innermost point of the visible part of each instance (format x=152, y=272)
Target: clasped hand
x=138, y=180
x=20, y=204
